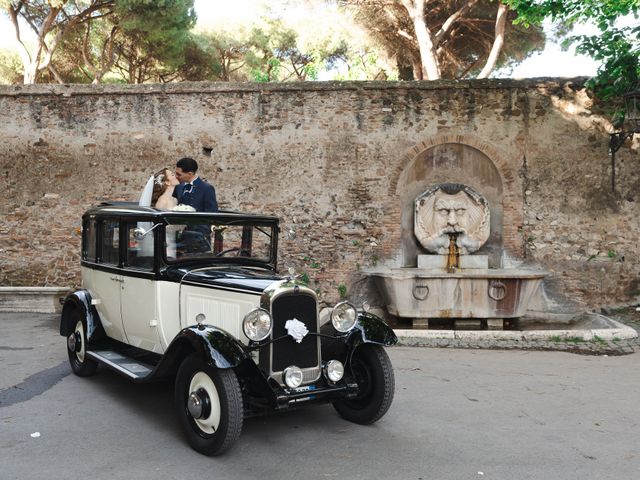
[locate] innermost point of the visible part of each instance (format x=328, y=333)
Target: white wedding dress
x=171, y=231
x=146, y=242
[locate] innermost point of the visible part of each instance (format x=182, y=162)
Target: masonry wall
x=336, y=162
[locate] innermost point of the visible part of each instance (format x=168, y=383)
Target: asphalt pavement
x=457, y=414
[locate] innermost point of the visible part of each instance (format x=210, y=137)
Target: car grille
x=287, y=352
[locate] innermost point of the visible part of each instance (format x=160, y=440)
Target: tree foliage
x=84, y=40
x=10, y=67
x=267, y=51
x=217, y=55
x=433, y=39
x=277, y=54
x=616, y=46
x=51, y=21
x=153, y=40
x=137, y=41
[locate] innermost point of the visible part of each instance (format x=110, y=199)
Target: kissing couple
x=166, y=189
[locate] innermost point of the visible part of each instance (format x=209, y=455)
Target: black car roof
x=132, y=209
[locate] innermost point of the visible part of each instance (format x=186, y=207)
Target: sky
x=552, y=62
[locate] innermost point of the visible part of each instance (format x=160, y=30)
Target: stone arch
x=460, y=159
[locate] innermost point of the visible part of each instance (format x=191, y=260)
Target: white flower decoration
x=183, y=208
x=296, y=329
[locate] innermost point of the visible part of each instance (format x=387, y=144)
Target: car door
x=138, y=294
x=106, y=279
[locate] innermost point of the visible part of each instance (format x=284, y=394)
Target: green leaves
x=617, y=45
x=88, y=40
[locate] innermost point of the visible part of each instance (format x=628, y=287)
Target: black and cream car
x=195, y=297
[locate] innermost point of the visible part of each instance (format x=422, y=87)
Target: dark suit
x=202, y=196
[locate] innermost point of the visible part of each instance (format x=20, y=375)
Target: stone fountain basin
x=472, y=293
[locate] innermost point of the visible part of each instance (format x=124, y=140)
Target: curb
x=619, y=331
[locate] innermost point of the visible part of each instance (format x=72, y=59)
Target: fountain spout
x=453, y=258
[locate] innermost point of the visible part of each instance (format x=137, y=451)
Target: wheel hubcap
x=203, y=403
x=71, y=342
x=363, y=379
x=74, y=342
x=199, y=404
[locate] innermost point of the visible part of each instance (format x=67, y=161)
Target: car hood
x=228, y=278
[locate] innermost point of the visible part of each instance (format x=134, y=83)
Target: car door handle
x=117, y=279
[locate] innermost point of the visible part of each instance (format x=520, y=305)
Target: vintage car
x=195, y=297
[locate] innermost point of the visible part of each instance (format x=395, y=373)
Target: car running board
x=127, y=366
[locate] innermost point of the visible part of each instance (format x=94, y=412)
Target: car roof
x=132, y=209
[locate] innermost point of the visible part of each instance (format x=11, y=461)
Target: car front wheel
x=76, y=348
x=209, y=403
x=371, y=369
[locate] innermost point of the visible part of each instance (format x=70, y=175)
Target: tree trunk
x=49, y=29
x=55, y=73
x=29, y=68
x=498, y=42
x=430, y=68
x=30, y=73
x=418, y=72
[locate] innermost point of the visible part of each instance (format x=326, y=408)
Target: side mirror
x=140, y=232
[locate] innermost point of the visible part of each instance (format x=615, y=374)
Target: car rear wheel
x=76, y=347
x=209, y=403
x=371, y=369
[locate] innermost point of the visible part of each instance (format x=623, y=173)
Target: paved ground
x=457, y=414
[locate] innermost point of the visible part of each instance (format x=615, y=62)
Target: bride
x=164, y=183
x=158, y=193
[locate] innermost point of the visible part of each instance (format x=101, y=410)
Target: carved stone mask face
x=450, y=212
x=439, y=214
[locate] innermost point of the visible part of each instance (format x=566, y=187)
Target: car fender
x=372, y=329
x=81, y=299
x=216, y=346
x=369, y=328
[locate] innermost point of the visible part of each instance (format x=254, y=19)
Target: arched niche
x=450, y=162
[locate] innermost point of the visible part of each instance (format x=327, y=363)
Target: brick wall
x=332, y=161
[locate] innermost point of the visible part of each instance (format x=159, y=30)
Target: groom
x=192, y=189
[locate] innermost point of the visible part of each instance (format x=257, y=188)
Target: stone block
x=432, y=261
x=468, y=324
x=474, y=261
x=32, y=299
x=420, y=322
x=495, y=324
x=440, y=261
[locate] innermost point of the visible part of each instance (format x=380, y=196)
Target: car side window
x=140, y=245
x=111, y=242
x=89, y=239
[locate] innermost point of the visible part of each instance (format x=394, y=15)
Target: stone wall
x=337, y=162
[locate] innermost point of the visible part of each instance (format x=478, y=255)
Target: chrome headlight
x=344, y=316
x=334, y=370
x=292, y=376
x=257, y=324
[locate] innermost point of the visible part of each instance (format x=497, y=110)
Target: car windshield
x=211, y=238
